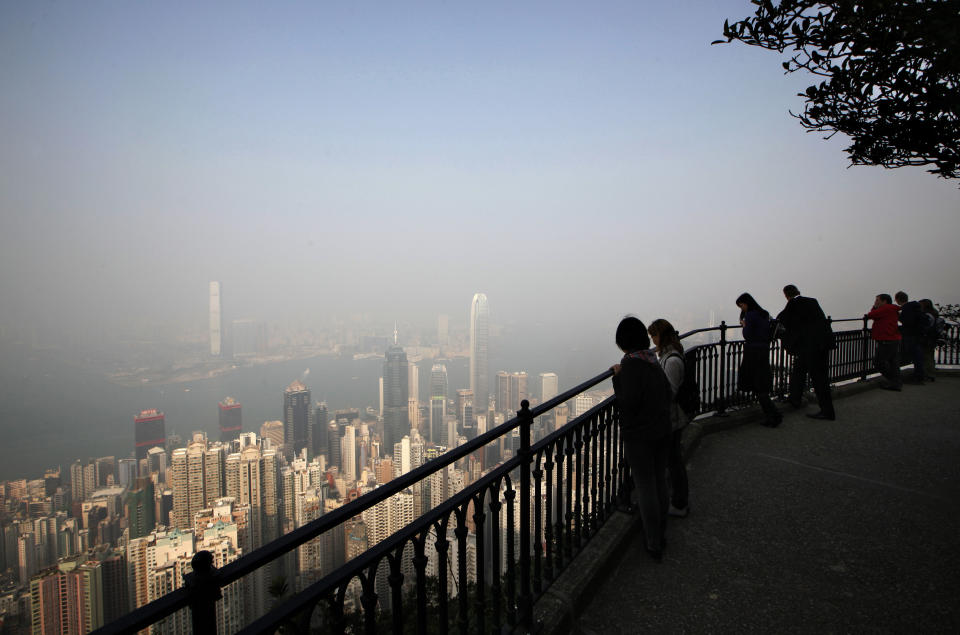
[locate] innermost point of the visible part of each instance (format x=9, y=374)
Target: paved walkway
x=814, y=527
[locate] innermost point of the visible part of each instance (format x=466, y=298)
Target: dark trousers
x=911, y=344
x=887, y=361
x=773, y=415
x=679, y=486
x=929, y=359
x=648, y=465
x=814, y=363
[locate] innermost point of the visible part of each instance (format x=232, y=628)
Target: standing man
x=809, y=339
x=912, y=321
x=887, y=337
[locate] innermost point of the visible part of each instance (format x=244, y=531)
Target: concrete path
x=814, y=527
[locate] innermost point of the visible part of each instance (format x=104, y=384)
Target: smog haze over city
x=342, y=167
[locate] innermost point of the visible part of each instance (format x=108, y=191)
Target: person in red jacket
x=886, y=333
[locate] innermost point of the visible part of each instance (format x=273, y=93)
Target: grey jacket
x=673, y=367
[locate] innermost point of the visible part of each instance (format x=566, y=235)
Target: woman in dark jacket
x=643, y=399
x=755, y=375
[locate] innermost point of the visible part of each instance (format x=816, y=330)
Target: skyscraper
x=197, y=476
x=479, y=350
x=216, y=320
x=230, y=420
x=549, y=386
x=150, y=430
x=438, y=401
x=395, y=394
x=297, y=416
x=140, y=508
x=321, y=422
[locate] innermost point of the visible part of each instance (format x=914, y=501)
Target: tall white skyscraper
x=479, y=350
x=549, y=386
x=348, y=454
x=216, y=320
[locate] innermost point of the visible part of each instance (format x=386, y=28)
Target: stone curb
x=556, y=610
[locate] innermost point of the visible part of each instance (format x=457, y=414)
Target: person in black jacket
x=643, y=398
x=912, y=323
x=809, y=339
x=754, y=374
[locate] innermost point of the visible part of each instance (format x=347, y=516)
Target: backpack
x=934, y=330
x=688, y=394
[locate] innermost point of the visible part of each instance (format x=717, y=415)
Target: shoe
x=678, y=512
x=914, y=382
x=772, y=423
x=893, y=388
x=823, y=417
x=796, y=405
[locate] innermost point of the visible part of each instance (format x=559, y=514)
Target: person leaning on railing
x=755, y=375
x=912, y=321
x=670, y=352
x=643, y=397
x=809, y=339
x=887, y=336
x=932, y=337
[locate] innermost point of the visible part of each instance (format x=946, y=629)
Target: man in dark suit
x=809, y=339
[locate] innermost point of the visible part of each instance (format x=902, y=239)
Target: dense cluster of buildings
x=81, y=548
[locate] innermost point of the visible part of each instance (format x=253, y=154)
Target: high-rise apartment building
x=438, y=402
x=231, y=424
x=396, y=389
x=197, y=479
x=549, y=386
x=464, y=404
x=320, y=436
x=150, y=430
x=479, y=350
x=216, y=320
x=141, y=508
x=511, y=390
x=348, y=454
x=297, y=419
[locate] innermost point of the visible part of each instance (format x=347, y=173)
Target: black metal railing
x=478, y=561
x=716, y=363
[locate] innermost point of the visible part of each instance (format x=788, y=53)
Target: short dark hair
x=632, y=335
x=901, y=296
x=791, y=291
x=885, y=297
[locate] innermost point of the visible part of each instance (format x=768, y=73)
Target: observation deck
x=832, y=526
x=843, y=526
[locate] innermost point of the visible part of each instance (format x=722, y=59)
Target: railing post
x=204, y=593
x=865, y=364
x=830, y=367
x=526, y=600
x=722, y=393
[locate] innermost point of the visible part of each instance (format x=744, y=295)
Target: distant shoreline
x=209, y=369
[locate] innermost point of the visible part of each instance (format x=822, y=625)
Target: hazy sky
x=574, y=161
